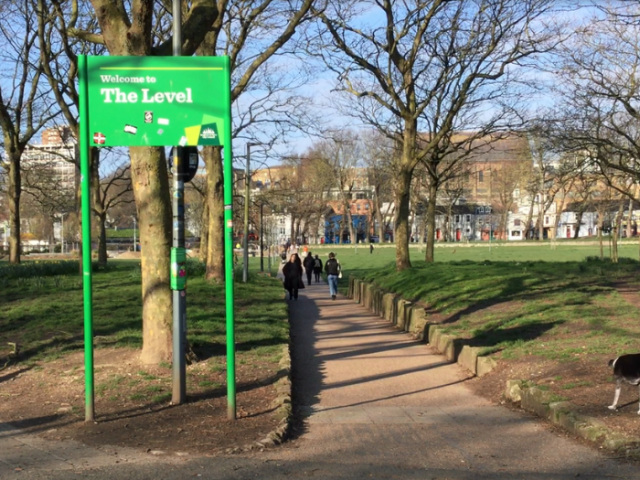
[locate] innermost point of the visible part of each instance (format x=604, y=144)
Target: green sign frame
x=158, y=101
x=154, y=101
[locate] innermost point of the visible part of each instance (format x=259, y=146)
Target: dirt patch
x=587, y=382
x=133, y=403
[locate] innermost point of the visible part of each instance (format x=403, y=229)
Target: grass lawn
x=510, y=297
x=44, y=313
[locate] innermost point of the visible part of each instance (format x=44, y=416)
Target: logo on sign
x=148, y=117
x=208, y=133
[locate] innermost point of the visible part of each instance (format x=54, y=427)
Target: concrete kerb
x=413, y=319
x=282, y=404
x=562, y=413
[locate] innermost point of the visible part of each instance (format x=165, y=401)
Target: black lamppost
x=261, y=239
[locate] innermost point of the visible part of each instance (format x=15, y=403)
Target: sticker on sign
x=99, y=138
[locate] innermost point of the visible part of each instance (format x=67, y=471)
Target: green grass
x=46, y=318
x=559, y=304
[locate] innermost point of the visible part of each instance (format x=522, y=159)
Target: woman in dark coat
x=308, y=266
x=292, y=272
x=317, y=268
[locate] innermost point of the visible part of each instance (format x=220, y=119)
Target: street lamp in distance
x=247, y=193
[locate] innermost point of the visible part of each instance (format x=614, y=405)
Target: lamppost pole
x=245, y=249
x=178, y=253
x=62, y=233
x=134, y=234
x=261, y=239
x=247, y=193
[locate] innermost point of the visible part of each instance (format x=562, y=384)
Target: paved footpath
x=374, y=403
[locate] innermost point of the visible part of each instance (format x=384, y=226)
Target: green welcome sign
x=158, y=101
x=155, y=102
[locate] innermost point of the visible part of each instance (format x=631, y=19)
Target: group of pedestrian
x=292, y=272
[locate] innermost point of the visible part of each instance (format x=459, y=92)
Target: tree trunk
x=431, y=222
x=504, y=218
x=102, y=239
x=423, y=227
x=151, y=190
x=98, y=205
x=78, y=206
x=204, y=230
x=379, y=219
x=616, y=232
x=14, y=191
x=578, y=223
x=215, y=205
x=292, y=232
x=401, y=227
x=600, y=223
x=349, y=218
x=529, y=220
x=629, y=230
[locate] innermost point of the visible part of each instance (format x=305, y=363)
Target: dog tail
x=612, y=362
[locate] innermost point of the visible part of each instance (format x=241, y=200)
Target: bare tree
x=599, y=87
x=25, y=106
x=341, y=155
x=506, y=181
x=431, y=66
x=251, y=34
x=378, y=157
x=114, y=188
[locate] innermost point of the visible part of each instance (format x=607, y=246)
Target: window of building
x=282, y=231
x=515, y=233
x=281, y=221
x=546, y=220
x=516, y=222
x=480, y=176
x=457, y=218
x=468, y=218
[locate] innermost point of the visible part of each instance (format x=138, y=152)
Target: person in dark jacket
x=317, y=268
x=308, y=266
x=292, y=272
x=333, y=270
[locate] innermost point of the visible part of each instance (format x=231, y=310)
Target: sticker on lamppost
x=158, y=101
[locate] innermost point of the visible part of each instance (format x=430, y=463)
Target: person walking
x=292, y=272
x=308, y=266
x=333, y=271
x=317, y=268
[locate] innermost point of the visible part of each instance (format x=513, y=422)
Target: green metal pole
x=85, y=181
x=228, y=255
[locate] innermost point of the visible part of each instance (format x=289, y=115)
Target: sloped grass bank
x=553, y=310
x=550, y=325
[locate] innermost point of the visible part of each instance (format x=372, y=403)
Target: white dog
x=626, y=368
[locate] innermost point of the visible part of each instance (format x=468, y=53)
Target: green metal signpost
x=157, y=101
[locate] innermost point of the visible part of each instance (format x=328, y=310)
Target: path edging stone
x=562, y=413
x=412, y=318
x=282, y=404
